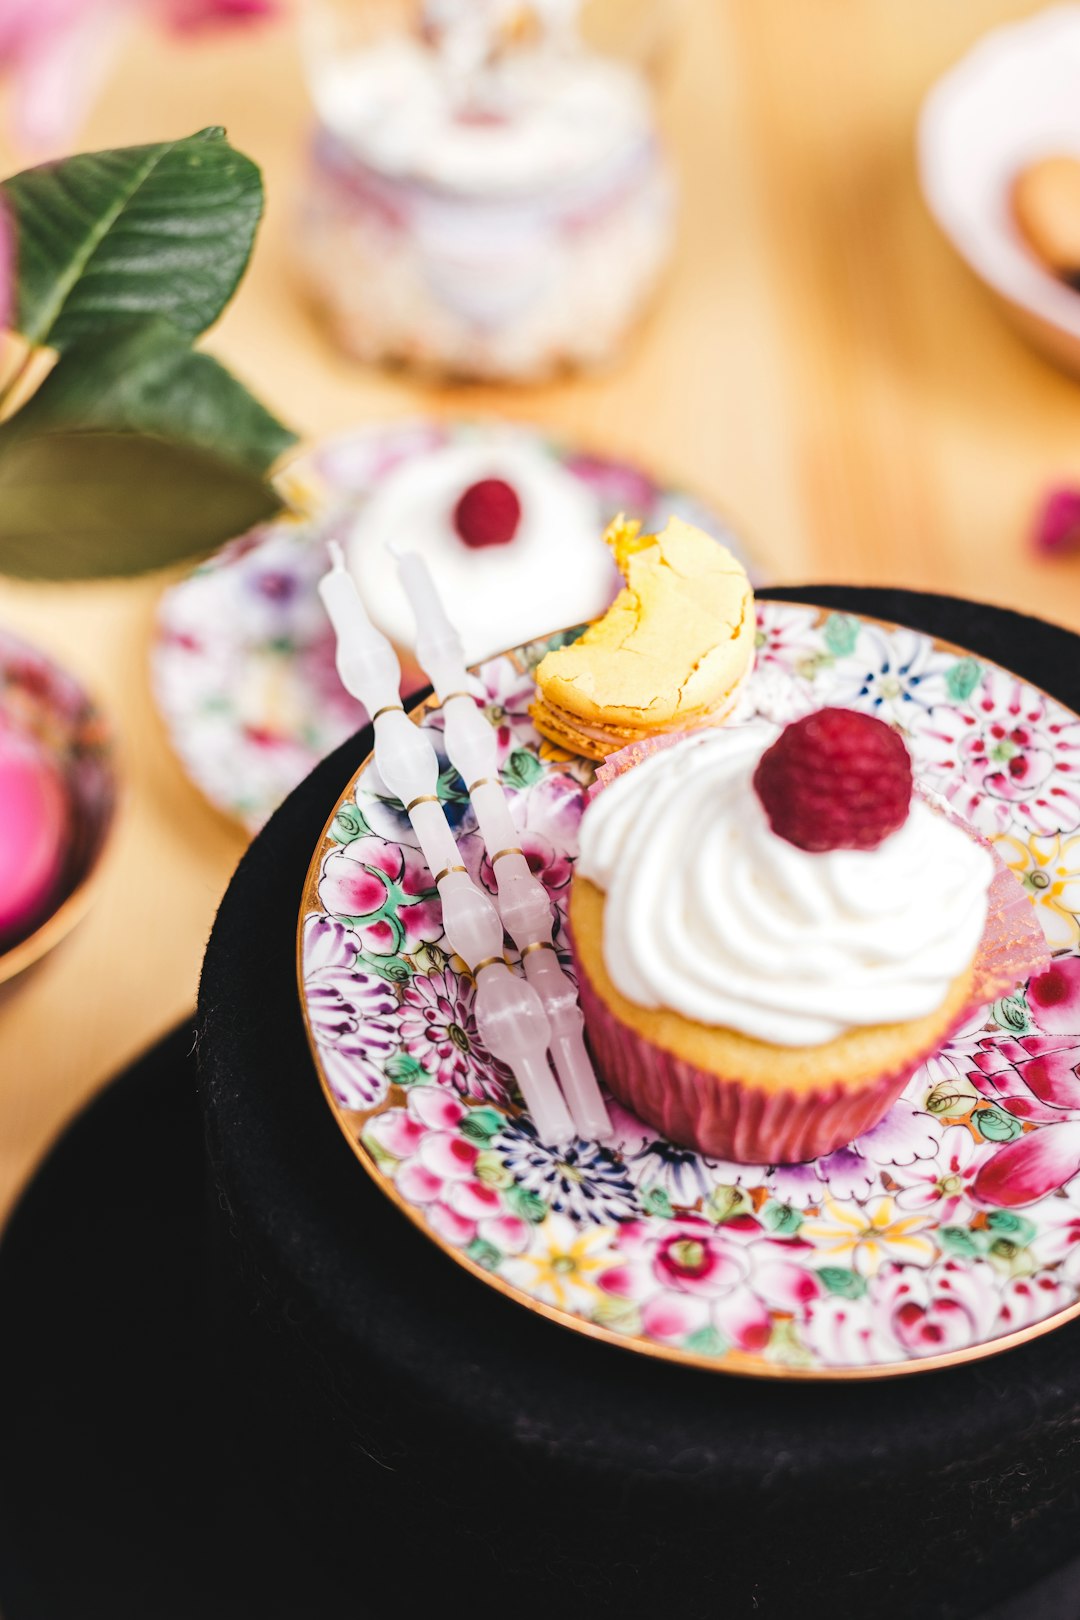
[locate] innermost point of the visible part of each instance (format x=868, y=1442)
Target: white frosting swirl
x=555, y=571
x=710, y=914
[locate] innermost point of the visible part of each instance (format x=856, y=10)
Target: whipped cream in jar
x=486, y=195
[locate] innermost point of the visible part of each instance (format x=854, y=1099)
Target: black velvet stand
x=350, y=1422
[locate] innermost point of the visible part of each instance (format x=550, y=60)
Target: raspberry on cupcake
x=772, y=931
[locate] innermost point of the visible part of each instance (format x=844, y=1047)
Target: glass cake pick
x=524, y=904
x=510, y=1016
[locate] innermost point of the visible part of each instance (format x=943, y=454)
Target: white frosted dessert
x=504, y=237
x=552, y=570
x=712, y=915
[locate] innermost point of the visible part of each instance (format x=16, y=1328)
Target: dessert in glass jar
x=487, y=196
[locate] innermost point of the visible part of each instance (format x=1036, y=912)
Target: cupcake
x=669, y=655
x=772, y=933
x=513, y=540
x=483, y=200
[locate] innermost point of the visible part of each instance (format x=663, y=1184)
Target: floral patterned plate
x=950, y=1231
x=242, y=662
x=41, y=700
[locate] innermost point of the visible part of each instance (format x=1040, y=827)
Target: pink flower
x=915, y=1311
x=1058, y=526
x=947, y=1307
x=438, y=1029
x=386, y=891
x=1053, y=997
x=1035, y=1078
x=1013, y=755
x=785, y=636
x=354, y=1015
x=688, y=1276
x=59, y=51
x=945, y=1182
x=506, y=699
x=843, y=1332
x=436, y=1170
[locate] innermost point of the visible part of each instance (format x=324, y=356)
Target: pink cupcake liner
x=724, y=1118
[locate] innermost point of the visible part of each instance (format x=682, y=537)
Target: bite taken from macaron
x=669, y=655
x=772, y=931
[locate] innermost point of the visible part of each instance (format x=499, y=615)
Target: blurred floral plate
x=40, y=700
x=950, y=1231
x=243, y=656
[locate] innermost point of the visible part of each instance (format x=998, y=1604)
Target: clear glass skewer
x=524, y=905
x=510, y=1016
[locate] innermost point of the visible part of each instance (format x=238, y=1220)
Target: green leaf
x=996, y=1125
x=403, y=1070
x=348, y=824
x=485, y=1254
x=951, y=1097
x=780, y=1218
x=451, y=787
x=381, y=1155
x=840, y=634
x=706, y=1342
x=655, y=1201
x=962, y=679
x=839, y=1280
x=92, y=505
x=481, y=1124
x=143, y=230
x=724, y=1203
x=391, y=968
x=491, y=1170
x=144, y=378
x=528, y=1205
x=522, y=769
x=619, y=1314
x=786, y=1347
x=1011, y=1012
x=958, y=1241
x=429, y=958
x=1003, y=1223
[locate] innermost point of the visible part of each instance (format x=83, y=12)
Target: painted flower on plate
x=944, y=1185
x=506, y=696
x=931, y=1311
x=433, y=1165
x=386, y=892
x=438, y=1029
x=864, y=1236
x=1049, y=869
x=1009, y=755
x=584, y=1180
x=652, y=1162
x=690, y=1278
x=893, y=674
x=840, y=1331
x=786, y=637
x=563, y=1264
x=1035, y=1079
x=353, y=1015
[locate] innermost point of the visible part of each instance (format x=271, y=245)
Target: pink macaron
x=35, y=815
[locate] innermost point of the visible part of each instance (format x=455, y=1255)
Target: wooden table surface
x=821, y=366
